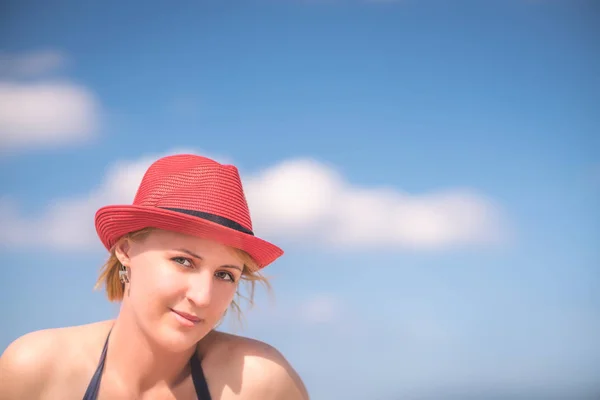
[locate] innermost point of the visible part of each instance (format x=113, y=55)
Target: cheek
x=157, y=283
x=223, y=295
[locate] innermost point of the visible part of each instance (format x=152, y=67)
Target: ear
x=122, y=249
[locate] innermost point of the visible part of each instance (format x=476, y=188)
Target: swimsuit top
x=197, y=376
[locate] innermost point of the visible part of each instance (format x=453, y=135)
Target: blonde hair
x=109, y=274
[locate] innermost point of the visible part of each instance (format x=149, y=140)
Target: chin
x=175, y=337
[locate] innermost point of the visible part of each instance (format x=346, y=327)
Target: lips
x=192, y=318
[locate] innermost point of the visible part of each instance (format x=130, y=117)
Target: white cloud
x=42, y=113
x=31, y=64
x=296, y=199
x=308, y=200
x=68, y=223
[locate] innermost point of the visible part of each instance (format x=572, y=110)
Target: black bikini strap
x=200, y=384
x=92, y=390
x=198, y=377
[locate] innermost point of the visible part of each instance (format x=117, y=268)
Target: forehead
x=168, y=240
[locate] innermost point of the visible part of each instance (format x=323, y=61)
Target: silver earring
x=123, y=275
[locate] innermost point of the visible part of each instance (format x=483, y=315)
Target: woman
x=177, y=256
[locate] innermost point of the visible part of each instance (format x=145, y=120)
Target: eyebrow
x=191, y=253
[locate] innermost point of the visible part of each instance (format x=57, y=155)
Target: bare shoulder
x=238, y=367
x=32, y=362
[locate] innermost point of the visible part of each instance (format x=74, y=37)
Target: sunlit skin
x=179, y=288
x=170, y=273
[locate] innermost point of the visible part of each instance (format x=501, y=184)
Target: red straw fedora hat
x=193, y=195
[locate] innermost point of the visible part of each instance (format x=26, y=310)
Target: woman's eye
x=225, y=276
x=183, y=261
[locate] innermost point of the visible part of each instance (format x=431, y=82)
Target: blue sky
x=478, y=111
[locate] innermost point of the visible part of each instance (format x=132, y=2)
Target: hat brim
x=112, y=222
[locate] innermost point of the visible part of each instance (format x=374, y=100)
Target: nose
x=201, y=288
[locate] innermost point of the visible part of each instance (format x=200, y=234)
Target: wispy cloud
x=31, y=64
x=44, y=112
x=306, y=311
x=319, y=309
x=296, y=199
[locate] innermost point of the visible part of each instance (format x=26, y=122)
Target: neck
x=138, y=363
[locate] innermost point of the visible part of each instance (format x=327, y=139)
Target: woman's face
x=180, y=286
